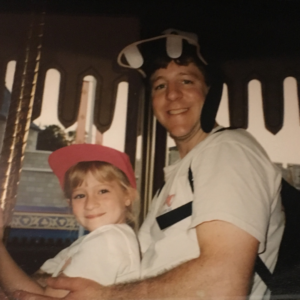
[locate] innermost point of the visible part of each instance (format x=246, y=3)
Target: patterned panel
x=44, y=221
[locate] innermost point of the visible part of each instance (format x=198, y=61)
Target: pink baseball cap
x=64, y=158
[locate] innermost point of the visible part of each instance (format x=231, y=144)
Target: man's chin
x=180, y=136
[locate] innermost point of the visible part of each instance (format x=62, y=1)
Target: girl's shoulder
x=111, y=232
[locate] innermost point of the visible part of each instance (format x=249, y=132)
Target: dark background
x=226, y=29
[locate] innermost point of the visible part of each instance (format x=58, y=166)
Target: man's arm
x=223, y=271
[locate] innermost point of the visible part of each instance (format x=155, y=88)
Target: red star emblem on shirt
x=169, y=200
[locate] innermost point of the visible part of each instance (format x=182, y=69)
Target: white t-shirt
x=107, y=255
x=234, y=181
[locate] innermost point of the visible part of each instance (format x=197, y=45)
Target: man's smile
x=177, y=111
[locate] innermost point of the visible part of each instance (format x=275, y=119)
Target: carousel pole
x=19, y=116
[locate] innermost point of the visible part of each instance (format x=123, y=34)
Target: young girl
x=100, y=186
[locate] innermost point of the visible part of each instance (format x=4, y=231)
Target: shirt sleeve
x=50, y=266
x=233, y=184
x=101, y=257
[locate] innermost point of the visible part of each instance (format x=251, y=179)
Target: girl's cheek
x=77, y=206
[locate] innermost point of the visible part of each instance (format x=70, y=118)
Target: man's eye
x=159, y=87
x=78, y=196
x=103, y=191
x=187, y=81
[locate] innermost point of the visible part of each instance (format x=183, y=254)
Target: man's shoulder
x=232, y=136
x=229, y=144
x=226, y=133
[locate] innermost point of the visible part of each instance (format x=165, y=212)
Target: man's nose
x=173, y=92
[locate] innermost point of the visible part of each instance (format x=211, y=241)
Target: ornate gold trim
x=24, y=220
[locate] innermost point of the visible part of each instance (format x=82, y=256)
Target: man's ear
x=69, y=202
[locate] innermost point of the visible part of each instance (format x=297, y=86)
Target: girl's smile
x=97, y=203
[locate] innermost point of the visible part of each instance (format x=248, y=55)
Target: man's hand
x=79, y=289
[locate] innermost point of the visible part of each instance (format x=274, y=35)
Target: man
x=208, y=252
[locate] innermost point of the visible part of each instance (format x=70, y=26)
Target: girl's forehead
x=92, y=180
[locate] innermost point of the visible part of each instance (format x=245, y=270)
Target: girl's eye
x=103, y=191
x=78, y=196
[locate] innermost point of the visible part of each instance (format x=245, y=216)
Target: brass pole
x=19, y=116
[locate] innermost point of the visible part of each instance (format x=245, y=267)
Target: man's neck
x=185, y=146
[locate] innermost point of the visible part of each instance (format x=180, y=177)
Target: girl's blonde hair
x=103, y=172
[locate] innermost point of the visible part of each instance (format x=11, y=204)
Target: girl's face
x=97, y=203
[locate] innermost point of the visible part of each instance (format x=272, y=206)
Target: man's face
x=178, y=94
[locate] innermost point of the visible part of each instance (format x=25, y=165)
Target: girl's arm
x=12, y=277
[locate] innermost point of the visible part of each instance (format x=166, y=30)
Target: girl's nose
x=90, y=203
